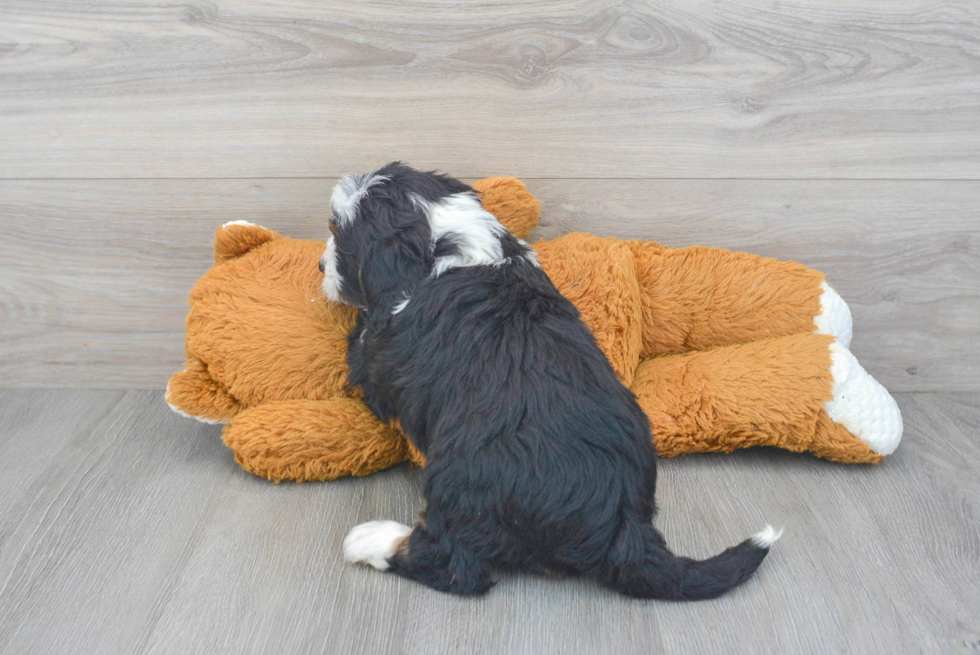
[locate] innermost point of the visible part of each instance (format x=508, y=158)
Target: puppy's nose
x=321, y=267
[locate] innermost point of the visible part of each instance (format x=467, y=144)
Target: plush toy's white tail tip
x=767, y=537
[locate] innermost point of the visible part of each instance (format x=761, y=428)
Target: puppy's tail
x=640, y=564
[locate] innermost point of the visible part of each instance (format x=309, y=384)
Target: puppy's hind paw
x=374, y=542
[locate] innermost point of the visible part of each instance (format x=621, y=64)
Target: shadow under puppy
x=538, y=457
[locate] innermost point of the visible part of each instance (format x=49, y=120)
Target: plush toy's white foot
x=862, y=405
x=834, y=317
x=374, y=542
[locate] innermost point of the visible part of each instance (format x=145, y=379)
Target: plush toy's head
x=259, y=328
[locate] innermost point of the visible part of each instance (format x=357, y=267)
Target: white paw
x=861, y=404
x=242, y=223
x=834, y=317
x=374, y=542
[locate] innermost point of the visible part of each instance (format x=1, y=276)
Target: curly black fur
x=538, y=457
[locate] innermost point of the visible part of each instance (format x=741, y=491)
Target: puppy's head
x=396, y=226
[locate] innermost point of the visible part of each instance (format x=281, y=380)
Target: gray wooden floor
x=845, y=135
x=128, y=529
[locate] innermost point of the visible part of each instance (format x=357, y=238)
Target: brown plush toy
x=723, y=350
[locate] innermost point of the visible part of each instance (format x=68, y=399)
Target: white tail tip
x=767, y=537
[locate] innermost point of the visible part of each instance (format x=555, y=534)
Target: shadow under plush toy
x=723, y=350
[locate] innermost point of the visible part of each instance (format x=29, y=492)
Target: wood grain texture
x=105, y=499
x=95, y=274
x=141, y=536
x=550, y=88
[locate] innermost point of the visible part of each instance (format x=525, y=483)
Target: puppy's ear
x=393, y=266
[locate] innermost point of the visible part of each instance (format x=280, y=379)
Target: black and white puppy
x=538, y=457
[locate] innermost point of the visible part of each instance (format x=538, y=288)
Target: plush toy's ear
x=238, y=237
x=510, y=201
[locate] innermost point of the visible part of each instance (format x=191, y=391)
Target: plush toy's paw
x=192, y=393
x=834, y=317
x=374, y=542
x=861, y=404
x=236, y=238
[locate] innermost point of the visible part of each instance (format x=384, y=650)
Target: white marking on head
x=349, y=191
x=331, y=278
x=767, y=537
x=475, y=231
x=242, y=223
x=374, y=542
